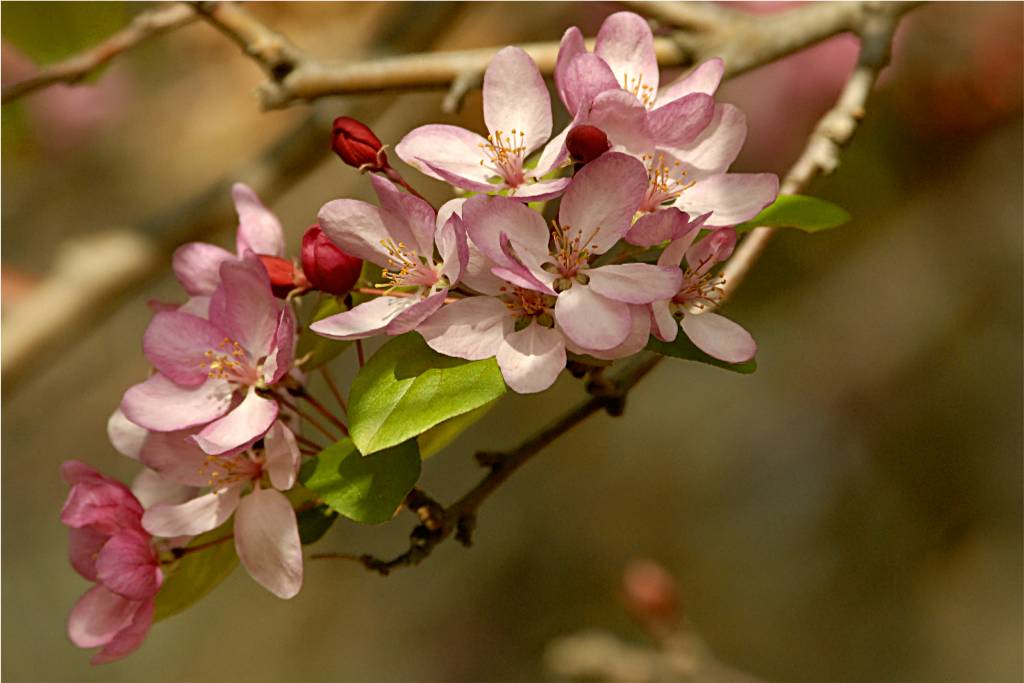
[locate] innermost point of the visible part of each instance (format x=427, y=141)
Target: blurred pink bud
x=327, y=267
x=586, y=143
x=651, y=593
x=283, y=276
x=357, y=146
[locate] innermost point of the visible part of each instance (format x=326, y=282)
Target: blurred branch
x=145, y=25
x=460, y=517
x=833, y=131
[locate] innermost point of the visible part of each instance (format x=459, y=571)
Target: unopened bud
x=357, y=146
x=586, y=143
x=283, y=276
x=327, y=267
x=651, y=594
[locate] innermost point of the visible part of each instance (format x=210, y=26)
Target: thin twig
x=305, y=416
x=323, y=411
x=143, y=26
x=334, y=390
x=360, y=355
x=308, y=442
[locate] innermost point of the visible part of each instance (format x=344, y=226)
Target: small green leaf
x=365, y=489
x=683, y=348
x=197, y=573
x=437, y=438
x=314, y=523
x=809, y=214
x=407, y=388
x=321, y=349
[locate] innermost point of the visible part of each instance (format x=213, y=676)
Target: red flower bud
x=283, y=278
x=586, y=143
x=651, y=595
x=328, y=268
x=357, y=146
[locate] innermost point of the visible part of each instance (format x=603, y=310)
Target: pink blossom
x=712, y=333
x=266, y=531
x=400, y=236
x=109, y=547
x=209, y=369
x=517, y=112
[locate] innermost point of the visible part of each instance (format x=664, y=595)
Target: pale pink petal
x=531, y=359
x=198, y=305
x=247, y=422
x=282, y=351
x=715, y=247
x=624, y=120
x=470, y=328
x=553, y=155
x=98, y=616
x=106, y=506
x=719, y=337
x=250, y=308
x=75, y=472
x=411, y=316
x=448, y=209
x=717, y=146
x=585, y=77
x=731, y=197
x=600, y=203
x=161, y=405
x=570, y=47
x=267, y=541
x=177, y=345
x=679, y=122
x=407, y=218
x=519, y=273
x=283, y=456
x=83, y=549
x=486, y=218
x=465, y=183
x=356, y=228
x=654, y=228
x=197, y=516
x=673, y=254
x=126, y=436
x=477, y=274
x=704, y=78
x=626, y=43
x=635, y=341
x=130, y=637
x=540, y=191
x=259, y=230
x=635, y=283
x=365, y=320
x=128, y=566
x=663, y=324
x=176, y=457
x=516, y=99
x=453, y=246
x=151, y=489
x=197, y=267
x=591, y=320
x=456, y=150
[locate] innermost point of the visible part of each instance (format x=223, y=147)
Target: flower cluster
x=581, y=245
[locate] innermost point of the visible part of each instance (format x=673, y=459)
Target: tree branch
x=145, y=25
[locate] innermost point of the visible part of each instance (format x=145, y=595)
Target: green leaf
x=437, y=438
x=314, y=523
x=407, y=388
x=683, y=348
x=809, y=214
x=197, y=573
x=365, y=489
x=321, y=349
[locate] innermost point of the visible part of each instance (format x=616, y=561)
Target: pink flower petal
x=152, y=489
x=663, y=324
x=267, y=541
x=470, y=328
x=477, y=274
x=540, y=191
x=250, y=311
x=585, y=77
x=519, y=273
x=126, y=436
x=98, y=616
x=176, y=456
x=259, y=230
x=197, y=267
x=516, y=99
x=282, y=351
x=105, y=505
x=704, y=78
x=715, y=247
x=486, y=218
x=600, y=203
x=365, y=320
x=635, y=341
x=570, y=47
x=356, y=228
x=673, y=254
x=177, y=343
x=553, y=155
x=242, y=426
x=412, y=316
x=84, y=547
x=531, y=359
x=407, y=218
x=626, y=43
x=635, y=283
x=590, y=320
x=719, y=337
x=624, y=120
x=128, y=566
x=731, y=197
x=654, y=228
x=465, y=183
x=197, y=516
x=681, y=121
x=456, y=150
x=717, y=146
x=283, y=456
x=453, y=246
x=130, y=637
x=161, y=405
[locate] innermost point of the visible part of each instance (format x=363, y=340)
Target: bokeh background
x=851, y=512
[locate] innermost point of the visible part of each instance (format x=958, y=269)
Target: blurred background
x=851, y=512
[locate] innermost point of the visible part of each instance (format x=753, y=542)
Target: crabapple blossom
x=517, y=112
x=328, y=268
x=210, y=368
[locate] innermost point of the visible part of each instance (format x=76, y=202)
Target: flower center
x=665, y=184
x=700, y=290
x=527, y=305
x=572, y=252
x=639, y=89
x=406, y=268
x=224, y=471
x=229, y=361
x=505, y=153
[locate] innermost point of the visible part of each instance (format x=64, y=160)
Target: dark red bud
x=283, y=278
x=651, y=594
x=586, y=143
x=327, y=267
x=357, y=146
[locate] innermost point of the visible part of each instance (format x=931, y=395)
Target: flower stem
x=334, y=390
x=323, y=411
x=359, y=352
x=306, y=416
